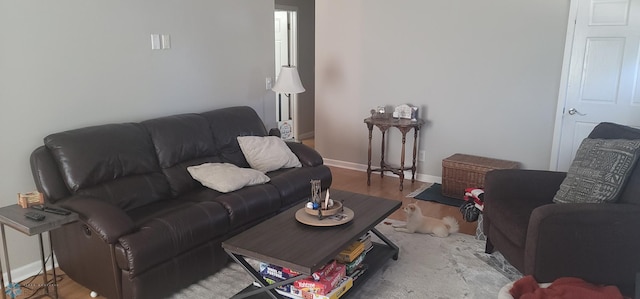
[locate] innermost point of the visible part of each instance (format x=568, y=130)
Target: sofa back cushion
x=181, y=141
x=608, y=130
x=227, y=124
x=114, y=162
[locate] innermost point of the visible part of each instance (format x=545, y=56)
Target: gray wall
x=485, y=75
x=306, y=63
x=71, y=63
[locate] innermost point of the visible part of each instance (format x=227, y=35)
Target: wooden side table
x=13, y=216
x=404, y=125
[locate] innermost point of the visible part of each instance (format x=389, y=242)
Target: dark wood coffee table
x=283, y=241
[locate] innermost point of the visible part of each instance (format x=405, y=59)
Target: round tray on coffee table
x=303, y=217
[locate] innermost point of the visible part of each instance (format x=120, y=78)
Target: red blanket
x=562, y=288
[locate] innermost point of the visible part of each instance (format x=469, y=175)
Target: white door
x=600, y=80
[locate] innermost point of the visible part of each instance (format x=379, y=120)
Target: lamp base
x=286, y=129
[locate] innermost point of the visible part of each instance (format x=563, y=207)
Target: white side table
x=13, y=216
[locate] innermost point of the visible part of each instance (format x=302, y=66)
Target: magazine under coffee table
x=283, y=241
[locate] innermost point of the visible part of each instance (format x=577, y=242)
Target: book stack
x=330, y=282
x=323, y=281
x=350, y=253
x=345, y=284
x=277, y=271
x=352, y=266
x=272, y=274
x=366, y=240
x=353, y=256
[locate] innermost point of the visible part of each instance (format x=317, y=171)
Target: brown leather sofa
x=598, y=242
x=148, y=229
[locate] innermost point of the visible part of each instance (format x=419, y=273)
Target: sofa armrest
x=307, y=156
x=597, y=242
x=522, y=185
x=109, y=221
x=46, y=175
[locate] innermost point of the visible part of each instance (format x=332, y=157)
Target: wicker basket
x=465, y=171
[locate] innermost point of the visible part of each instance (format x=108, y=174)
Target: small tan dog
x=418, y=223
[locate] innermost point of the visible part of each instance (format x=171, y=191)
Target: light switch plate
x=267, y=82
x=155, y=41
x=165, y=39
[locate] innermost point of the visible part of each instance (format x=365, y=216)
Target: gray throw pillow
x=599, y=171
x=226, y=177
x=267, y=153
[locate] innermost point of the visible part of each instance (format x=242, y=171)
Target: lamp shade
x=288, y=81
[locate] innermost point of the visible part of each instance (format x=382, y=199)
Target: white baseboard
x=361, y=167
x=26, y=271
x=343, y=164
x=306, y=135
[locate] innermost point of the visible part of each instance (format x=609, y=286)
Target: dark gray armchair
x=598, y=242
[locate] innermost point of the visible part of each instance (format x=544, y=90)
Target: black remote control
x=34, y=216
x=56, y=211
x=51, y=210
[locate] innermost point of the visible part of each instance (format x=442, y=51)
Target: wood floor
x=387, y=187
x=343, y=179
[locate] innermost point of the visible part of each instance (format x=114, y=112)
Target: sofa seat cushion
x=168, y=229
x=242, y=206
x=179, y=178
x=151, y=187
x=294, y=184
x=512, y=218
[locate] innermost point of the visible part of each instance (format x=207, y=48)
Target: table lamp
x=288, y=83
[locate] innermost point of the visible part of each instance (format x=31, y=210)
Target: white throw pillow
x=267, y=153
x=226, y=177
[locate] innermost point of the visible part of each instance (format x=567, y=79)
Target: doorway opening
x=285, y=27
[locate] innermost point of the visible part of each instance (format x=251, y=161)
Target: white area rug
x=428, y=267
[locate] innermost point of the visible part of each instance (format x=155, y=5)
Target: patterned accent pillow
x=599, y=171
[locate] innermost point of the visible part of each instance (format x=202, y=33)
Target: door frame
x=564, y=82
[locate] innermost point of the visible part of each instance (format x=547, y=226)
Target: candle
x=326, y=200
